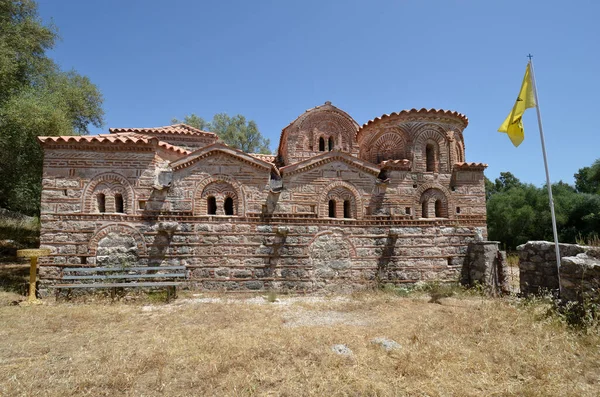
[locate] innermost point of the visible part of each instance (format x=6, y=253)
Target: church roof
x=175, y=129
x=113, y=139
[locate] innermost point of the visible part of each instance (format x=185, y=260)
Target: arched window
x=321, y=144
x=101, y=202
x=438, y=208
x=430, y=158
x=347, y=209
x=330, y=143
x=425, y=210
x=211, y=205
x=228, y=206
x=119, y=203
x=332, y=208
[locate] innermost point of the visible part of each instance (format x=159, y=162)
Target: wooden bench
x=118, y=277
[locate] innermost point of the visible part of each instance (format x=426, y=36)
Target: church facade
x=339, y=206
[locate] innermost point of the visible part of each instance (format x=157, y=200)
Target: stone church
x=339, y=205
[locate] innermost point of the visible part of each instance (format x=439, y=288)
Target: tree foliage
x=234, y=131
x=36, y=98
x=519, y=212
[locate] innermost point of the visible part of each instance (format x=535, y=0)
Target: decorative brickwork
x=339, y=206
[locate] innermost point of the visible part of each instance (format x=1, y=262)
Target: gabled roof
x=175, y=129
x=112, y=139
x=328, y=157
x=209, y=150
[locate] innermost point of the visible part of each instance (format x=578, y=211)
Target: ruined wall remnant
x=580, y=276
x=485, y=265
x=537, y=265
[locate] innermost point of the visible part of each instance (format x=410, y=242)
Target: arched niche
x=108, y=189
x=339, y=193
x=219, y=188
x=433, y=141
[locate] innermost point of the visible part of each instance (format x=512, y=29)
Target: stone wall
x=580, y=276
x=227, y=254
x=579, y=270
x=485, y=265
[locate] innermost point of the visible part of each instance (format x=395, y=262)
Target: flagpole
x=539, y=117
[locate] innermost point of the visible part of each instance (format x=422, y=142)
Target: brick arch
x=109, y=183
x=340, y=190
x=335, y=232
x=224, y=185
x=117, y=228
x=429, y=134
x=389, y=145
x=429, y=191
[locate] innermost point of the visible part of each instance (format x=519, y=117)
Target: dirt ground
x=218, y=345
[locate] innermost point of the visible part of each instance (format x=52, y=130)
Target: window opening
x=332, y=208
x=430, y=157
x=347, y=209
x=101, y=202
x=228, y=206
x=438, y=209
x=321, y=144
x=330, y=143
x=211, y=205
x=119, y=203
x=407, y=210
x=458, y=210
x=424, y=210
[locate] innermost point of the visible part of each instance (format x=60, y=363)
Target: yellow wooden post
x=33, y=255
x=32, y=278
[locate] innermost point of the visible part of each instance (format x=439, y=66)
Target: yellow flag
x=513, y=126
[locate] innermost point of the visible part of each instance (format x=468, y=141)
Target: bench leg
x=171, y=293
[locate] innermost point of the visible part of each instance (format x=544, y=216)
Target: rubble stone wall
x=579, y=270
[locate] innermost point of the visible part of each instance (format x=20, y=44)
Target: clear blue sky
x=271, y=60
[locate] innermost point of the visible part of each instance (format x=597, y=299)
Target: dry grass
x=463, y=347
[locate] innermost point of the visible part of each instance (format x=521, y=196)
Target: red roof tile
x=423, y=111
x=269, y=158
x=113, y=138
x=403, y=164
x=465, y=166
x=175, y=129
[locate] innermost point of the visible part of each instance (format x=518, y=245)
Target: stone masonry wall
x=579, y=270
x=225, y=255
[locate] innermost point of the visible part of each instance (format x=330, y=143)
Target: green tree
x=234, y=131
x=193, y=121
x=36, y=98
x=587, y=179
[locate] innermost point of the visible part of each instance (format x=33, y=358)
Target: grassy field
x=215, y=345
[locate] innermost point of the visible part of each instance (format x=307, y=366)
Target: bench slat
x=119, y=269
x=116, y=285
x=123, y=276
